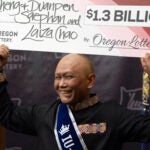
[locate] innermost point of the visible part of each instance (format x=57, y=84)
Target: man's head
x=74, y=77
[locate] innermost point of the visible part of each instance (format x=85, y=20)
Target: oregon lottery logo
x=15, y=61
x=131, y=98
x=17, y=101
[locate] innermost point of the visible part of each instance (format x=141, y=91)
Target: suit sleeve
x=18, y=119
x=132, y=125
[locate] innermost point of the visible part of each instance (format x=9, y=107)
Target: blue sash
x=66, y=130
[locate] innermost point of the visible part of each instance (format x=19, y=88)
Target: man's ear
x=91, y=79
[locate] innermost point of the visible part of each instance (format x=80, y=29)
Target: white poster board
x=75, y=26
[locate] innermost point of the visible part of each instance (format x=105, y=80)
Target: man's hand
x=4, y=53
x=145, y=61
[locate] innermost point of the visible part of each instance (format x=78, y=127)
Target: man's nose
x=62, y=82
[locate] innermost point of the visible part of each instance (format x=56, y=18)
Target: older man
x=78, y=120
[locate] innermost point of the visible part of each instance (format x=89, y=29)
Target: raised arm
x=145, y=61
x=4, y=53
x=19, y=119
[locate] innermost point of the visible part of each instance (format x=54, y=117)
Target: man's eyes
x=65, y=77
x=68, y=76
x=57, y=78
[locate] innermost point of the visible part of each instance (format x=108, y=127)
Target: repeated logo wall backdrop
x=39, y=33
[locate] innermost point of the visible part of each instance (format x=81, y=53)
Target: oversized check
x=75, y=26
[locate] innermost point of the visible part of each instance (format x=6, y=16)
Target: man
x=77, y=120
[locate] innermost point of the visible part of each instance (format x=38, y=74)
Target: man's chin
x=66, y=101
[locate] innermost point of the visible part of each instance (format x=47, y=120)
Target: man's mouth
x=65, y=92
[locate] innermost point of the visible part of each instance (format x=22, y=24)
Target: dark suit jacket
x=122, y=125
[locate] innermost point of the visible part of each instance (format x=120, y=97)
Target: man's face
x=71, y=82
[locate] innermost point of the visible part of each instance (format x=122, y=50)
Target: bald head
x=78, y=62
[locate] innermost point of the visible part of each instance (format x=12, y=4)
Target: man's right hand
x=4, y=53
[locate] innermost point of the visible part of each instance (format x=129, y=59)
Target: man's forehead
x=66, y=69
x=67, y=66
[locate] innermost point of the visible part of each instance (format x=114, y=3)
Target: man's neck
x=85, y=103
